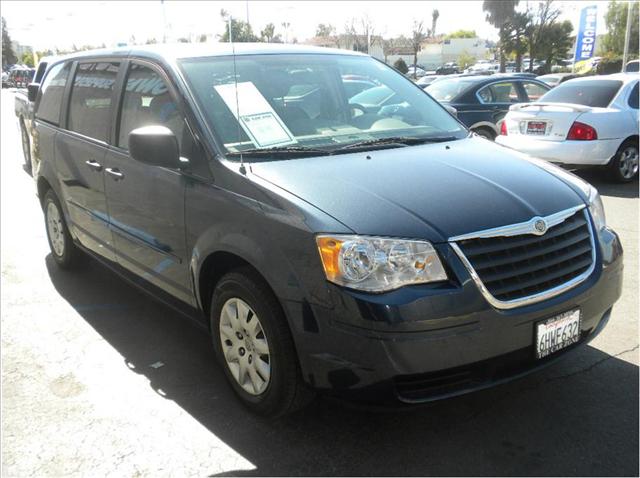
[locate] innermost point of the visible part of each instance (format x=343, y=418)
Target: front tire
x=623, y=167
x=63, y=249
x=254, y=345
x=26, y=147
x=485, y=133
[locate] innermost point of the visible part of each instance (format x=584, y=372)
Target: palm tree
x=499, y=12
x=434, y=19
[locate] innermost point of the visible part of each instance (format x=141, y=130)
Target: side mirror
x=155, y=145
x=32, y=91
x=451, y=110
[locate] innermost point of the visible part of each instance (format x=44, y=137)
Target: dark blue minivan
x=380, y=252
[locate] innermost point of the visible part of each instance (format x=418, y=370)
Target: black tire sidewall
x=283, y=361
x=485, y=133
x=26, y=149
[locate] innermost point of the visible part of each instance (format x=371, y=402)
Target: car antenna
x=243, y=170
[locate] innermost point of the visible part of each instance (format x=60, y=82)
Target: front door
x=146, y=203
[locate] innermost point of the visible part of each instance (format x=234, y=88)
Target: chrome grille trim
x=523, y=229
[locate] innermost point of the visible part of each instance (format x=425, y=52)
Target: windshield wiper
x=396, y=141
x=279, y=151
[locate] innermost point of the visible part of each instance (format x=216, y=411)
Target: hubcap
x=628, y=163
x=55, y=229
x=245, y=347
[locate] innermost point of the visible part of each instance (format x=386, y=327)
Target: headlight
x=376, y=264
x=597, y=210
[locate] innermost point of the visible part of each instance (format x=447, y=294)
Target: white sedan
x=591, y=121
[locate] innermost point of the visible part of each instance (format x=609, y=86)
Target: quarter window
x=147, y=101
x=633, y=99
x=51, y=93
x=499, y=93
x=91, y=99
x=534, y=91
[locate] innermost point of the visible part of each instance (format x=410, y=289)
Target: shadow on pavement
x=579, y=417
x=606, y=187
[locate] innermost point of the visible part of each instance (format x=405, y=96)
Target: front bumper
x=423, y=343
x=587, y=153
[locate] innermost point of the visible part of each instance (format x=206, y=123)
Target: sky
x=46, y=25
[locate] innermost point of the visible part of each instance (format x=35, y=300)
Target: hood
x=432, y=191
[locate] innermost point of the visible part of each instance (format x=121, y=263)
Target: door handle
x=115, y=172
x=93, y=164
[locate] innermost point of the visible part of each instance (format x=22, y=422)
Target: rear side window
x=633, y=99
x=534, y=90
x=91, y=99
x=147, y=101
x=499, y=93
x=51, y=93
x=595, y=93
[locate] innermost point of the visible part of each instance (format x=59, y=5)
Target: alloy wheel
x=244, y=346
x=55, y=229
x=628, y=162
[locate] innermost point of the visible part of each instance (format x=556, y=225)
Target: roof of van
x=174, y=51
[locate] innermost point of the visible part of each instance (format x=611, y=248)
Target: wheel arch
x=486, y=125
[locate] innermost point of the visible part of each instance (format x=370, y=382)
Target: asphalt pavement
x=101, y=380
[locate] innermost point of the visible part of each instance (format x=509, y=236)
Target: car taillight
x=582, y=132
x=503, y=128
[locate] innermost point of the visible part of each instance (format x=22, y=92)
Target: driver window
x=147, y=101
x=499, y=93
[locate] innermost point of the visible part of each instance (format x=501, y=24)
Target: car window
x=448, y=90
x=51, y=93
x=265, y=101
x=504, y=92
x=633, y=98
x=91, y=99
x=595, y=93
x=147, y=101
x=533, y=90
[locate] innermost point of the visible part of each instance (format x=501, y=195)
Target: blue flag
x=586, y=41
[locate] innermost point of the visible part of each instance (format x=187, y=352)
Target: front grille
x=516, y=267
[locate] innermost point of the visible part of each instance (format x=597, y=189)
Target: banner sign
x=586, y=39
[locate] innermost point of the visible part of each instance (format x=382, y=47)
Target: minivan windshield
x=297, y=103
x=595, y=93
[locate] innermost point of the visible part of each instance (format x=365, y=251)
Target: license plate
x=557, y=333
x=537, y=127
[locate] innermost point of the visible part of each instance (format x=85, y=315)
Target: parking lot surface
x=100, y=380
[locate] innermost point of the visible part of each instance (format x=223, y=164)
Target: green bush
x=612, y=64
x=401, y=66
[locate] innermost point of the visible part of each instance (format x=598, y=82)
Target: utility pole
x=247, y=4
x=230, y=30
x=164, y=23
x=627, y=34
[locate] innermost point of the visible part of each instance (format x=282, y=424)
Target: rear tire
x=623, y=167
x=242, y=302
x=63, y=249
x=26, y=147
x=485, y=133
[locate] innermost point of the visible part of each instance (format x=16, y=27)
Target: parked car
x=447, y=70
x=632, y=66
x=419, y=72
x=426, y=80
x=390, y=257
x=590, y=121
x=5, y=79
x=23, y=108
x=482, y=101
x=556, y=78
x=20, y=77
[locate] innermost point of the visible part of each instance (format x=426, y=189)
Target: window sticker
x=256, y=116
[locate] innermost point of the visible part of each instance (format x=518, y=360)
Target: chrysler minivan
x=376, y=251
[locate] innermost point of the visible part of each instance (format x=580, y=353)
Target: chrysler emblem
x=539, y=226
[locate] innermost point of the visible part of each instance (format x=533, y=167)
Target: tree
x=240, y=31
x=27, y=59
x=545, y=16
x=616, y=20
x=465, y=60
x=401, y=66
x=360, y=33
x=463, y=34
x=325, y=30
x=417, y=37
x=435, y=14
x=151, y=41
x=515, y=32
x=268, y=34
x=556, y=43
x=499, y=12
x=8, y=56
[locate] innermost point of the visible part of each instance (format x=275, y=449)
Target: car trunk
x=544, y=121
